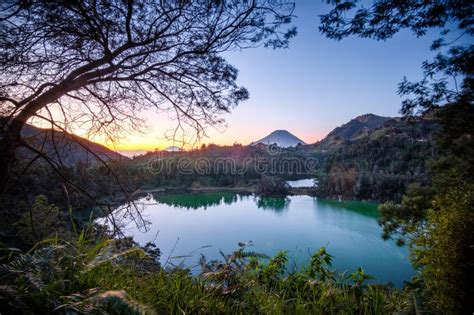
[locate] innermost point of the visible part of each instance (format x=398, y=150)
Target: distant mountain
x=65, y=148
x=281, y=138
x=352, y=130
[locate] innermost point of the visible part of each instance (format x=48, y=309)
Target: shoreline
x=294, y=191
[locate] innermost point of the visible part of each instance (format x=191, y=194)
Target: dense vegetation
x=369, y=156
x=220, y=166
x=381, y=163
x=437, y=220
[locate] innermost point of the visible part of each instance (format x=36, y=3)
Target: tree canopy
x=446, y=79
x=95, y=64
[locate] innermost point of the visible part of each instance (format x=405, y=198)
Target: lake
x=308, y=182
x=183, y=223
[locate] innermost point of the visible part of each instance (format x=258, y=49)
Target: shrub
x=272, y=186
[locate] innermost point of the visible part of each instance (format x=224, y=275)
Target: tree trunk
x=9, y=142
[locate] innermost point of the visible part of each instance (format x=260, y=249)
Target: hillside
x=378, y=164
x=65, y=148
x=351, y=130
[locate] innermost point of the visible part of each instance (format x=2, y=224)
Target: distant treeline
x=220, y=166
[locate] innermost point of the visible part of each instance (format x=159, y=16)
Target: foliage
x=445, y=254
x=227, y=277
x=380, y=164
x=272, y=186
x=56, y=274
x=43, y=220
x=317, y=267
x=437, y=221
x=406, y=219
x=20, y=203
x=96, y=64
x=109, y=276
x=360, y=277
x=445, y=248
x=448, y=78
x=270, y=272
x=217, y=166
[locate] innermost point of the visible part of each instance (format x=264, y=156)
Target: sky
x=310, y=88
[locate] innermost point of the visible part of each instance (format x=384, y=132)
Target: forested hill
x=351, y=130
x=64, y=148
x=379, y=163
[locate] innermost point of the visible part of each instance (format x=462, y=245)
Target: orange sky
x=234, y=132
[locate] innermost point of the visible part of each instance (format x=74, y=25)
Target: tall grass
x=114, y=277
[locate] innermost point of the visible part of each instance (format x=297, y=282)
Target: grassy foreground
x=116, y=277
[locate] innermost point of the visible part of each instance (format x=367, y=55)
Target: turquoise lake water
x=181, y=224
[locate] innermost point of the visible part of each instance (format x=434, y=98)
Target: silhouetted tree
x=95, y=64
x=449, y=77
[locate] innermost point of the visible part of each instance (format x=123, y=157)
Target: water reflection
x=277, y=204
x=204, y=200
x=308, y=182
x=196, y=201
x=364, y=208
